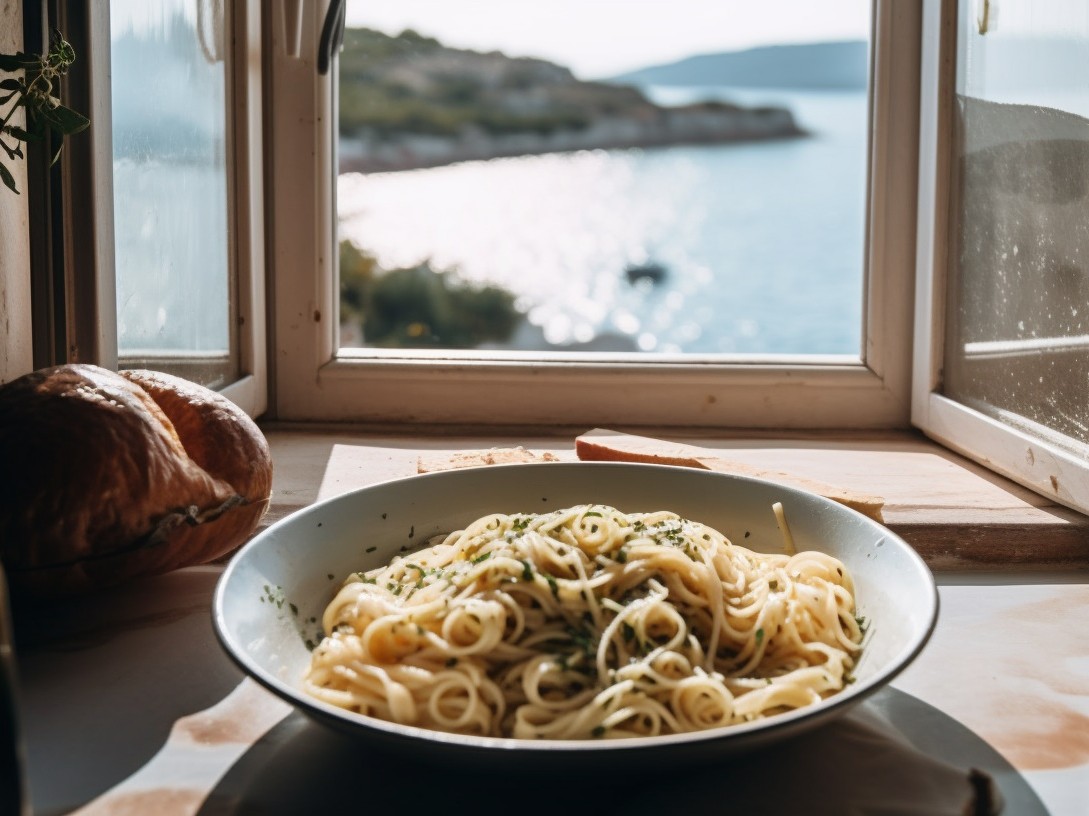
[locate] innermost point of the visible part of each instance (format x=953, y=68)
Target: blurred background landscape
x=709, y=204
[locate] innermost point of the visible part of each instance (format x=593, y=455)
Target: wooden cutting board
x=602, y=445
x=954, y=513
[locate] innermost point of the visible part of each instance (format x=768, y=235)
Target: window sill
x=955, y=513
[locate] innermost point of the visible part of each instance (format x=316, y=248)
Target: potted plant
x=35, y=92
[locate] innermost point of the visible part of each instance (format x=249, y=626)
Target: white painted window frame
x=246, y=203
x=313, y=381
x=1033, y=456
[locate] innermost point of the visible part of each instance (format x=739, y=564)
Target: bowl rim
x=816, y=713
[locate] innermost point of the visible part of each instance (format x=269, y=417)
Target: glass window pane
x=174, y=285
x=1018, y=336
x=682, y=178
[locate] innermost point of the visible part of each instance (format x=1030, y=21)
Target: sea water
x=761, y=244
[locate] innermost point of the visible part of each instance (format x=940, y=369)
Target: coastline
x=671, y=127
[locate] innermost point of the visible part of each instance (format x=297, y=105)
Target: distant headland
x=828, y=66
x=407, y=101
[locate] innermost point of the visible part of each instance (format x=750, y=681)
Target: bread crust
x=216, y=434
x=98, y=484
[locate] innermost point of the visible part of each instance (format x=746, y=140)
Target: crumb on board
x=492, y=456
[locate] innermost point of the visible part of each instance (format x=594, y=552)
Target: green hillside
x=408, y=83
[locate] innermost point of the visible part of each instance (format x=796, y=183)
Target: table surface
x=129, y=706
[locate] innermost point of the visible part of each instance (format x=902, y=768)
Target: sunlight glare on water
x=761, y=243
x=546, y=228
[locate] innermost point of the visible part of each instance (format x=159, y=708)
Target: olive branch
x=34, y=91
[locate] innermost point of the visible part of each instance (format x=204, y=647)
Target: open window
x=676, y=375
x=1003, y=335
x=148, y=239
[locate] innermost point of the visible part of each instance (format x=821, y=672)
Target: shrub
x=420, y=307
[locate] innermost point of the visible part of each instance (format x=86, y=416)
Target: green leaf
x=9, y=179
x=56, y=142
x=63, y=120
x=60, y=50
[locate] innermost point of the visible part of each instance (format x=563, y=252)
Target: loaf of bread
x=106, y=476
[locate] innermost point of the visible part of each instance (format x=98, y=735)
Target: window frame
x=87, y=315
x=1031, y=459
x=314, y=382
x=246, y=203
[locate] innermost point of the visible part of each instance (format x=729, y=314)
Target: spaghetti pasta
x=587, y=622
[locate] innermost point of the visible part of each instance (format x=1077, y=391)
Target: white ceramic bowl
x=270, y=599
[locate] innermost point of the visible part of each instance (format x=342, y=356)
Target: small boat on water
x=651, y=271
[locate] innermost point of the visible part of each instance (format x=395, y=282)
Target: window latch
x=332, y=35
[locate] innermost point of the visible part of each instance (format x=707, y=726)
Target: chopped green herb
x=371, y=549
x=483, y=557
x=552, y=585
x=294, y=610
x=599, y=730
x=759, y=636
x=527, y=571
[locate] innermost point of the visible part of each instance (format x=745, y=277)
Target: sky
x=601, y=38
